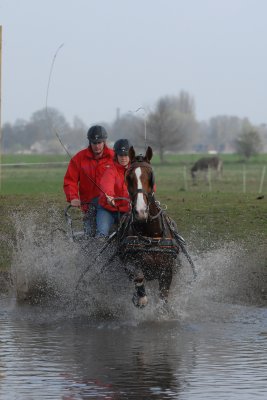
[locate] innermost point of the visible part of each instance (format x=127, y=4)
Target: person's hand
x=75, y=202
x=110, y=200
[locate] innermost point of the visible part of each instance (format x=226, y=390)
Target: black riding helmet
x=97, y=134
x=121, y=147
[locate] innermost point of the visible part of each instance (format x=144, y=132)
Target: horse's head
x=140, y=182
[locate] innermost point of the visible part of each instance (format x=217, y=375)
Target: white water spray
x=46, y=265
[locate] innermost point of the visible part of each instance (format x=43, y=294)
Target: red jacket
x=113, y=184
x=77, y=184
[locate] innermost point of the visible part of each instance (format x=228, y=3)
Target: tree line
x=170, y=126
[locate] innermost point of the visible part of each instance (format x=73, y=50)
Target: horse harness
x=130, y=240
x=131, y=244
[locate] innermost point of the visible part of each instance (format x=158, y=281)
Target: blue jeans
x=89, y=219
x=104, y=221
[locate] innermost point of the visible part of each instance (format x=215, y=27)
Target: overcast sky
x=128, y=53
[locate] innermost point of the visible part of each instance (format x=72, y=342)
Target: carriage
x=146, y=240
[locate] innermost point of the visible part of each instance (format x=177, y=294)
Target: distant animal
x=203, y=164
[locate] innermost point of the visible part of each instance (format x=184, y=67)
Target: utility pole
x=145, y=120
x=0, y=107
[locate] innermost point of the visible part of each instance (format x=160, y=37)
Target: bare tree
x=44, y=121
x=262, y=129
x=248, y=143
x=172, y=125
x=16, y=137
x=223, y=131
x=25, y=134
x=128, y=126
x=75, y=138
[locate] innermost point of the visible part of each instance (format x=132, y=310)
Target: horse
x=203, y=164
x=147, y=241
x=147, y=245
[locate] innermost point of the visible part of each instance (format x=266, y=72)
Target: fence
x=47, y=177
x=236, y=178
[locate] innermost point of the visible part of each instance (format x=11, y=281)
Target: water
x=210, y=343
x=46, y=354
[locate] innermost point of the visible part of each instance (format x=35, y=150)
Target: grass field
x=224, y=210
x=42, y=174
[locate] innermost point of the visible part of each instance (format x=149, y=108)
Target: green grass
x=207, y=215
x=189, y=159
x=172, y=177
x=33, y=158
x=32, y=180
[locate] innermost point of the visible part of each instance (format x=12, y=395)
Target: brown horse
x=203, y=164
x=147, y=241
x=147, y=244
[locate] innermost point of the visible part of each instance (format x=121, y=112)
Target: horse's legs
x=165, y=280
x=139, y=296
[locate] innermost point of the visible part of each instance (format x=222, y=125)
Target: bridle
x=150, y=199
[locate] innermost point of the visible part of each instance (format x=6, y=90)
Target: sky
x=126, y=54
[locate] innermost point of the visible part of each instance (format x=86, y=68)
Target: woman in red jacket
x=114, y=185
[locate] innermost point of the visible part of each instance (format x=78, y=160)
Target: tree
x=248, y=143
x=45, y=121
x=223, y=131
x=75, y=137
x=262, y=129
x=41, y=128
x=8, y=137
x=20, y=135
x=172, y=125
x=130, y=127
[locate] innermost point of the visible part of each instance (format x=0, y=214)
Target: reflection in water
x=46, y=355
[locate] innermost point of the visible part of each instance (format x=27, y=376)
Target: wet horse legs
x=165, y=280
x=136, y=275
x=139, y=297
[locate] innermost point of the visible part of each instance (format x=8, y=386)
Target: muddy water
x=46, y=354
x=209, y=343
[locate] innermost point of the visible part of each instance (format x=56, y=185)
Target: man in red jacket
x=85, y=170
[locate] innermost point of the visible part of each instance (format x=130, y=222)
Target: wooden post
x=0, y=107
x=262, y=178
x=209, y=179
x=185, y=179
x=244, y=179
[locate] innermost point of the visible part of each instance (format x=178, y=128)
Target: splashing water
x=46, y=266
x=43, y=263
